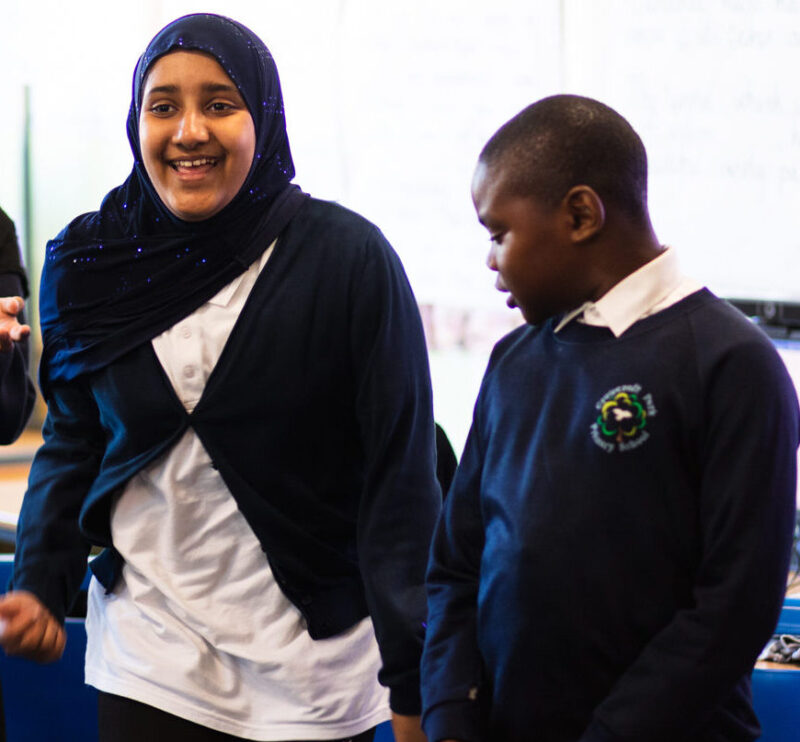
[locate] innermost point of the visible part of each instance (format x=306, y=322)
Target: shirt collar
x=633, y=298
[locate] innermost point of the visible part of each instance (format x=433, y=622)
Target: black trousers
x=123, y=720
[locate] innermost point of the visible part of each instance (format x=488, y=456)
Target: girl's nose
x=192, y=129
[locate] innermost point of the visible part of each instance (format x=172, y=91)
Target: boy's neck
x=622, y=249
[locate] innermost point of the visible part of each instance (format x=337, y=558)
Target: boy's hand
x=28, y=629
x=407, y=728
x=11, y=330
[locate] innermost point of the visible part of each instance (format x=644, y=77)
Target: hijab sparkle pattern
x=119, y=276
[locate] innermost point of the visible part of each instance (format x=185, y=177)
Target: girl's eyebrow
x=220, y=87
x=209, y=87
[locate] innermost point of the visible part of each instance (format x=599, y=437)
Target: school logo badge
x=623, y=415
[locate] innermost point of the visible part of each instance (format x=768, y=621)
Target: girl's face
x=196, y=134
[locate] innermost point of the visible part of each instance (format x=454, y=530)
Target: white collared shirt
x=653, y=287
x=197, y=625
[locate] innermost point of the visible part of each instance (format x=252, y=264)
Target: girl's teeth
x=192, y=163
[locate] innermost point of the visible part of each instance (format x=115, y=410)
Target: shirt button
x=186, y=332
x=188, y=372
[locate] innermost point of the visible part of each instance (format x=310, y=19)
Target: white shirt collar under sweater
x=653, y=287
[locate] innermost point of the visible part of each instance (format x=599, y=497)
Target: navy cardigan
x=318, y=416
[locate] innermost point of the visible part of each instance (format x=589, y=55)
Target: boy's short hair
x=568, y=140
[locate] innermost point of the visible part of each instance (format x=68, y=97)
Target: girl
x=239, y=412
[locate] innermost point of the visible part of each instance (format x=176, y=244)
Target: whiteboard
x=711, y=86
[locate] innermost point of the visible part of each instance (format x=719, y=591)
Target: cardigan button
x=305, y=600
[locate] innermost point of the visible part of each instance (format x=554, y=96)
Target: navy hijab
x=117, y=277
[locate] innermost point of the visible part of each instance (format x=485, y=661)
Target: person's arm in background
x=17, y=394
x=400, y=497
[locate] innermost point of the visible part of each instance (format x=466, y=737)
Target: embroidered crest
x=623, y=417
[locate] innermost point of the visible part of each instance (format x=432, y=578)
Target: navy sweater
x=318, y=417
x=613, y=552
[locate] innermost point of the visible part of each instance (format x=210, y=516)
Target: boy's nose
x=490, y=259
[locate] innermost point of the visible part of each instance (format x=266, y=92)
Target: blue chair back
x=776, y=691
x=51, y=703
x=48, y=703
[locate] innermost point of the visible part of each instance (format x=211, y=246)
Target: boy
x=612, y=554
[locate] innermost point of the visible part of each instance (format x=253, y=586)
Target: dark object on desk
x=777, y=318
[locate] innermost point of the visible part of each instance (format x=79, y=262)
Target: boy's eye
x=497, y=237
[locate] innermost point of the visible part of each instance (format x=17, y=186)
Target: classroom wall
x=388, y=105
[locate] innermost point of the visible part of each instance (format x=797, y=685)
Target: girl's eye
x=497, y=238
x=220, y=106
x=161, y=108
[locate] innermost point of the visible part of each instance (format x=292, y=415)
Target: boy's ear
x=585, y=212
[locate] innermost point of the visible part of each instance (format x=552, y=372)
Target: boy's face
x=536, y=261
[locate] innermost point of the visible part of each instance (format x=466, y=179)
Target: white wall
x=389, y=103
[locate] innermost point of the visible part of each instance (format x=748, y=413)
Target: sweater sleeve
x=17, y=394
x=747, y=499
x=451, y=664
x=50, y=557
x=400, y=497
